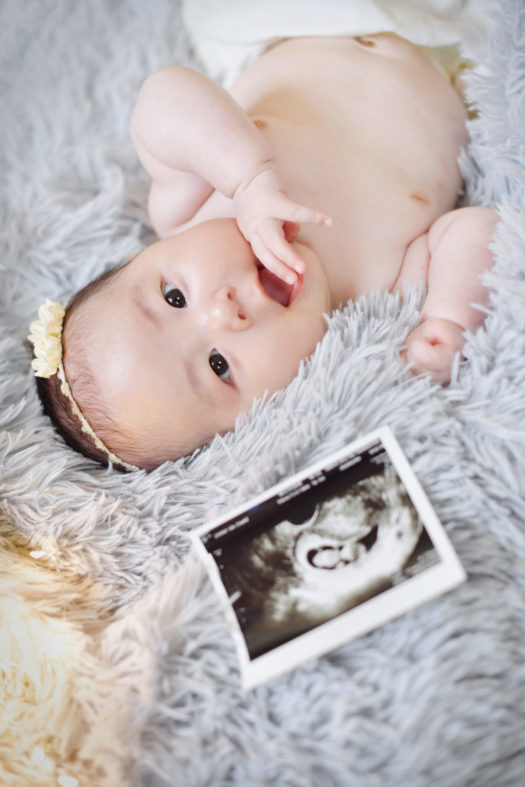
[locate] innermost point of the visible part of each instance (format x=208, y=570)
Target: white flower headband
x=46, y=337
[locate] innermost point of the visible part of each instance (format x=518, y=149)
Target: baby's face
x=186, y=336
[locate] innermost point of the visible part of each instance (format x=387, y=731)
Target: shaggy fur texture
x=116, y=664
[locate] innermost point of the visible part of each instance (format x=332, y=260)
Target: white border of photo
x=388, y=604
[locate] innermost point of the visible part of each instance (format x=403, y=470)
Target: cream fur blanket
x=116, y=664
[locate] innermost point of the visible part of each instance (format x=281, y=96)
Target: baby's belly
x=369, y=133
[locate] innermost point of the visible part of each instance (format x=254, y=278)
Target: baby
x=330, y=169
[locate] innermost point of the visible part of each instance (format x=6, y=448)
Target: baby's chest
x=379, y=198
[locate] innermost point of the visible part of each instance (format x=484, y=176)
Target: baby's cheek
x=274, y=355
x=296, y=346
x=307, y=335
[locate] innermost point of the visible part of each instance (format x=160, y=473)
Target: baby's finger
x=270, y=261
x=275, y=239
x=300, y=214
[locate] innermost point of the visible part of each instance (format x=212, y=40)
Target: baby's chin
x=316, y=274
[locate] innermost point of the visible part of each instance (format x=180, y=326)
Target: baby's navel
x=419, y=196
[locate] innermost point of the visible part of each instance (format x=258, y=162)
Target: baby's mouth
x=275, y=288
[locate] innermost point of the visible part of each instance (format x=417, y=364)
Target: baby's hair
x=55, y=404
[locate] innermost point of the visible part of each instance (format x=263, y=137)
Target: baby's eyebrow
x=145, y=310
x=196, y=382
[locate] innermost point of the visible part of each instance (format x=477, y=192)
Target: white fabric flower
x=46, y=337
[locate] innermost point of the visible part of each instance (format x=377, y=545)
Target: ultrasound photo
x=326, y=556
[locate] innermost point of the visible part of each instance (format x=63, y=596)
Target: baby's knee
x=473, y=225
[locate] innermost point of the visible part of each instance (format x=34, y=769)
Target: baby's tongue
x=274, y=287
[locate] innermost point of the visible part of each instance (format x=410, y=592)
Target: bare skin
x=367, y=131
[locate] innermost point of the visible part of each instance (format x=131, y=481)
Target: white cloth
x=229, y=34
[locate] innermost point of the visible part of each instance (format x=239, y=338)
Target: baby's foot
x=431, y=348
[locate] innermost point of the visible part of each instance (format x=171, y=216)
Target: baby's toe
x=433, y=358
x=431, y=348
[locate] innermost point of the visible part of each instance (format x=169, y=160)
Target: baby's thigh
x=414, y=266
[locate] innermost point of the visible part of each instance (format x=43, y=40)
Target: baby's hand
x=269, y=221
x=431, y=348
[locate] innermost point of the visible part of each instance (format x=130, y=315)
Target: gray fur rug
x=116, y=663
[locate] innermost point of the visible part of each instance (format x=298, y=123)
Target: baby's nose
x=225, y=312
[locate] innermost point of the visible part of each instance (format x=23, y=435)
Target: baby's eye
x=174, y=296
x=219, y=364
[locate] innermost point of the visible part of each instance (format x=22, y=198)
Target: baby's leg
x=458, y=254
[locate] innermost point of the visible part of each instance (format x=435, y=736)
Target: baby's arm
x=457, y=250
x=192, y=137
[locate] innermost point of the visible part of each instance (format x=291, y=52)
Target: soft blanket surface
x=116, y=663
